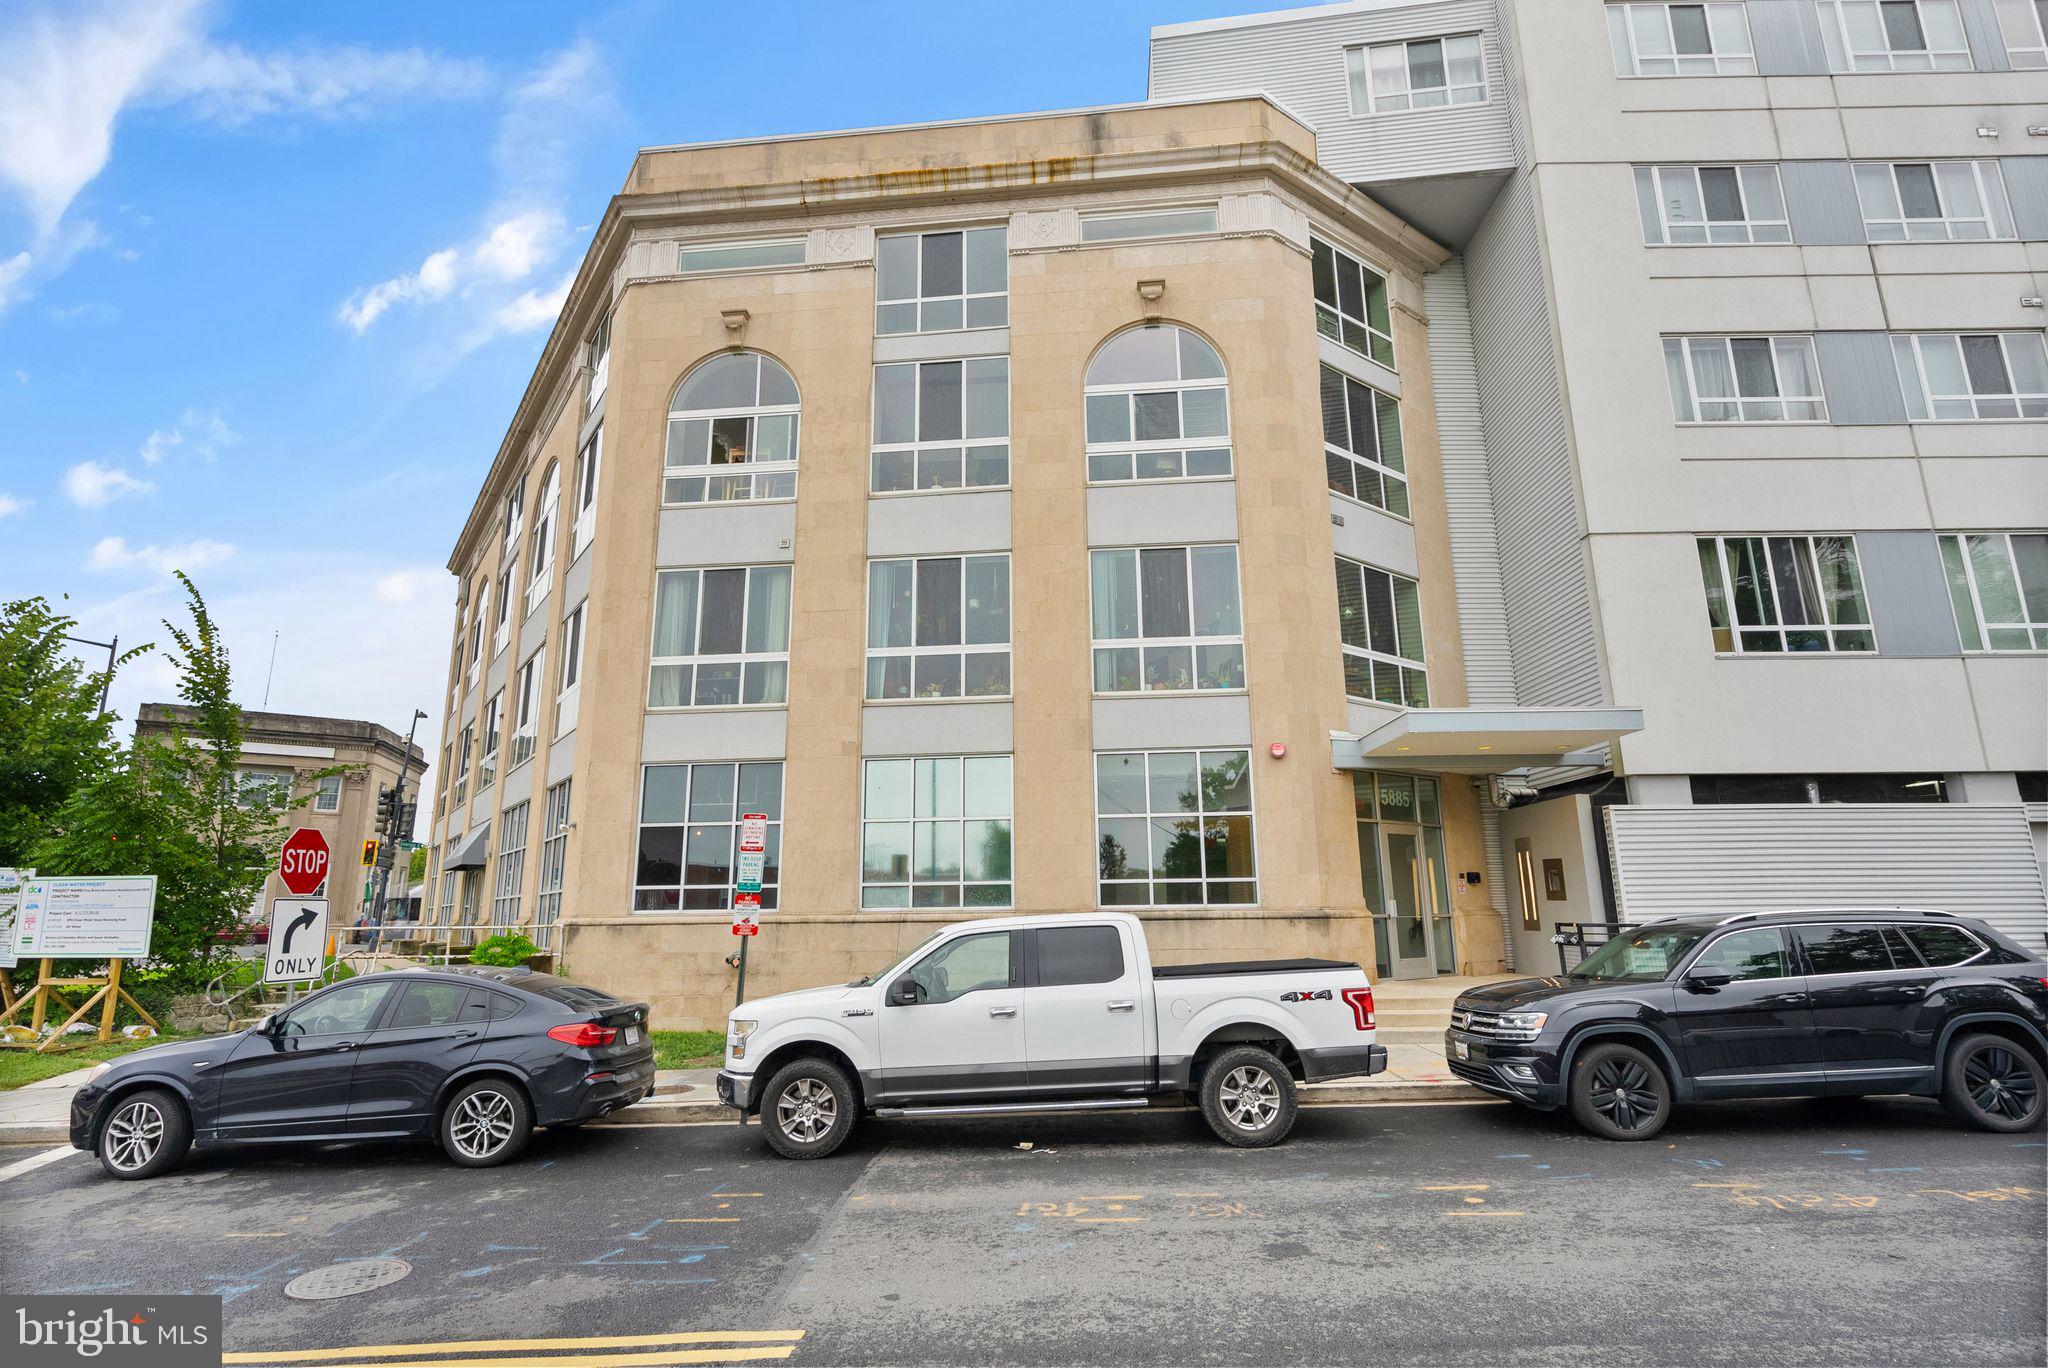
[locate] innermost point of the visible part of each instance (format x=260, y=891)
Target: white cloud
x=515, y=247
x=434, y=278
x=534, y=309
x=402, y=587
x=231, y=85
x=114, y=553
x=9, y=505
x=510, y=250
x=206, y=432
x=92, y=485
x=12, y=272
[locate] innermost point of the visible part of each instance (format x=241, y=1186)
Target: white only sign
x=11, y=881
x=100, y=918
x=298, y=940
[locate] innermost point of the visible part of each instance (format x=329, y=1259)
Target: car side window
x=1759, y=953
x=351, y=1007
x=1079, y=954
x=427, y=1004
x=964, y=966
x=1844, y=949
x=503, y=1005
x=1942, y=945
x=476, y=1006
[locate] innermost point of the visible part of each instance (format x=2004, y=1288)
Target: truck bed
x=1276, y=966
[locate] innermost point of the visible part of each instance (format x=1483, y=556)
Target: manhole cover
x=346, y=1279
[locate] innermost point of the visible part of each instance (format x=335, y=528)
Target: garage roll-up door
x=1973, y=859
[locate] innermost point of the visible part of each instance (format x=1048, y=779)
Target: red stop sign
x=303, y=863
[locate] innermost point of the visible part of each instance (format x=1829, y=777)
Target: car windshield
x=1639, y=956
x=865, y=979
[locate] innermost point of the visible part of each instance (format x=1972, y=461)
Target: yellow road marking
x=1197, y=1194
x=703, y=1220
x=1115, y=1197
x=665, y=1358
x=1105, y=1220
x=1494, y=1212
x=501, y=1345
x=1458, y=1187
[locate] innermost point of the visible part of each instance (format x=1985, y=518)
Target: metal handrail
x=1584, y=937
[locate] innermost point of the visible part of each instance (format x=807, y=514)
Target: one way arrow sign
x=298, y=940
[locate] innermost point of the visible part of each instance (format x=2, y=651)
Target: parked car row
x=1068, y=1013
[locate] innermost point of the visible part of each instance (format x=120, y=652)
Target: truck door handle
x=1123, y=1006
x=1002, y=1011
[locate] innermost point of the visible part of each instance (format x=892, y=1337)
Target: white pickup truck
x=1050, y=1013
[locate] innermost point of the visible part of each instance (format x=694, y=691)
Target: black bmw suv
x=1771, y=1004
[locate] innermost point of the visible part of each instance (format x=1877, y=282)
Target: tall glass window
x=1158, y=408
x=1933, y=201
x=1775, y=594
x=1998, y=582
x=935, y=832
x=1351, y=302
x=1166, y=619
x=1174, y=828
x=1744, y=380
x=1693, y=205
x=1680, y=40
x=721, y=638
x=1972, y=377
x=1401, y=861
x=511, y=866
x=1894, y=35
x=689, y=834
x=1362, y=455
x=732, y=433
x=941, y=425
x=554, y=861
x=939, y=627
x=1379, y=619
x=942, y=281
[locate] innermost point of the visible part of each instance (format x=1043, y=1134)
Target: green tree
x=416, y=867
x=175, y=807
x=52, y=736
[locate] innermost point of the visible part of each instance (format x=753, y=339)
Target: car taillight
x=1361, y=1007
x=587, y=1034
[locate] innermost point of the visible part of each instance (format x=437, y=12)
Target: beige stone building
x=1026, y=514
x=293, y=751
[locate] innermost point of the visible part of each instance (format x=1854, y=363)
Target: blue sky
x=272, y=276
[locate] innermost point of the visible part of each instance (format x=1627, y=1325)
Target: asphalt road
x=1763, y=1233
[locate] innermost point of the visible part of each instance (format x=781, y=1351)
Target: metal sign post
x=746, y=902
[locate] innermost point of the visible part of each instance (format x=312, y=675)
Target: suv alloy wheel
x=1619, y=1092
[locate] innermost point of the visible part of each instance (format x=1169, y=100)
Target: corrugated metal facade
x=1973, y=859
x=1786, y=37
x=1546, y=588
x=1987, y=44
x=1300, y=62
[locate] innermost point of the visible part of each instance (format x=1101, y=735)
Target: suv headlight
x=736, y=1037
x=1521, y=1025
x=94, y=1075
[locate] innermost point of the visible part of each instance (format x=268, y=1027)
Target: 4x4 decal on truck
x=1319, y=995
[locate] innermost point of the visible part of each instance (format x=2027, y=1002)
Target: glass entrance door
x=1408, y=906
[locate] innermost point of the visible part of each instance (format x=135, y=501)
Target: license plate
x=1460, y=1050
x=632, y=1035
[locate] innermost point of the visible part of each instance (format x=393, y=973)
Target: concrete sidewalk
x=39, y=1113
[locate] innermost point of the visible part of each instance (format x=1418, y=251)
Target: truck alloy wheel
x=808, y=1109
x=1247, y=1097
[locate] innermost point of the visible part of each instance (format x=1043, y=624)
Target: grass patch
x=18, y=1067
x=688, y=1049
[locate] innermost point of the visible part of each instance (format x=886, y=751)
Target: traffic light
x=386, y=800
x=370, y=849
x=408, y=813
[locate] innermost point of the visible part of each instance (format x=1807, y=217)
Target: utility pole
x=111, y=647
x=390, y=828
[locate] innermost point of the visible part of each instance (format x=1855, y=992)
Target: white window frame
x=2024, y=26
x=962, y=650
x=572, y=649
x=554, y=863
x=1409, y=692
x=1922, y=403
x=770, y=889
x=1333, y=320
x=1107, y=460
x=481, y=603
x=327, y=793
x=1987, y=179
x=1152, y=881
x=919, y=448
x=747, y=254
x=742, y=658
x=493, y=725
x=462, y=763
x=1359, y=70
x=676, y=477
x=932, y=311
x=526, y=707
x=1959, y=560
x=1192, y=642
x=1136, y=225
x=1386, y=476
x=1844, y=59
x=589, y=463
x=1750, y=410
x=1801, y=546
x=1654, y=197
x=501, y=631
x=877, y=894
x=542, y=544
x=598, y=348
x=1624, y=35
x=509, y=866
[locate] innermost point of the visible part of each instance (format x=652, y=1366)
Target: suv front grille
x=1488, y=1025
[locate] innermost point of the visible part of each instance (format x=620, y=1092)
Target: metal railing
x=1576, y=940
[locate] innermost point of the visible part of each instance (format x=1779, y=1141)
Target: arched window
x=1158, y=408
x=732, y=433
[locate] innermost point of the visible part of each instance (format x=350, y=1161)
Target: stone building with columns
x=1023, y=514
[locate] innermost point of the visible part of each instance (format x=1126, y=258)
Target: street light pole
x=108, y=683
x=390, y=834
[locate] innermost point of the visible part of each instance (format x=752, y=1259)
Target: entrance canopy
x=470, y=851
x=1484, y=740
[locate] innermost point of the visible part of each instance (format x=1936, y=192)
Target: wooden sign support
x=108, y=995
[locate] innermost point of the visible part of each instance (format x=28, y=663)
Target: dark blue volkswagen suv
x=474, y=1057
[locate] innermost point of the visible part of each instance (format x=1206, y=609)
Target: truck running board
x=991, y=1108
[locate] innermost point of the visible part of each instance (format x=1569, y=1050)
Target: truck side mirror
x=905, y=992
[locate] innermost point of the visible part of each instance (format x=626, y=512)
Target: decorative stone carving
x=839, y=246
x=1038, y=230
x=1237, y=215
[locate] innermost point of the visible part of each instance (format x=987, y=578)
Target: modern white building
x=1740, y=380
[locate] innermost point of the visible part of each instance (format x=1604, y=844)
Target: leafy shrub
x=505, y=950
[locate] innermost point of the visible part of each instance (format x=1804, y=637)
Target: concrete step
x=1410, y=1035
